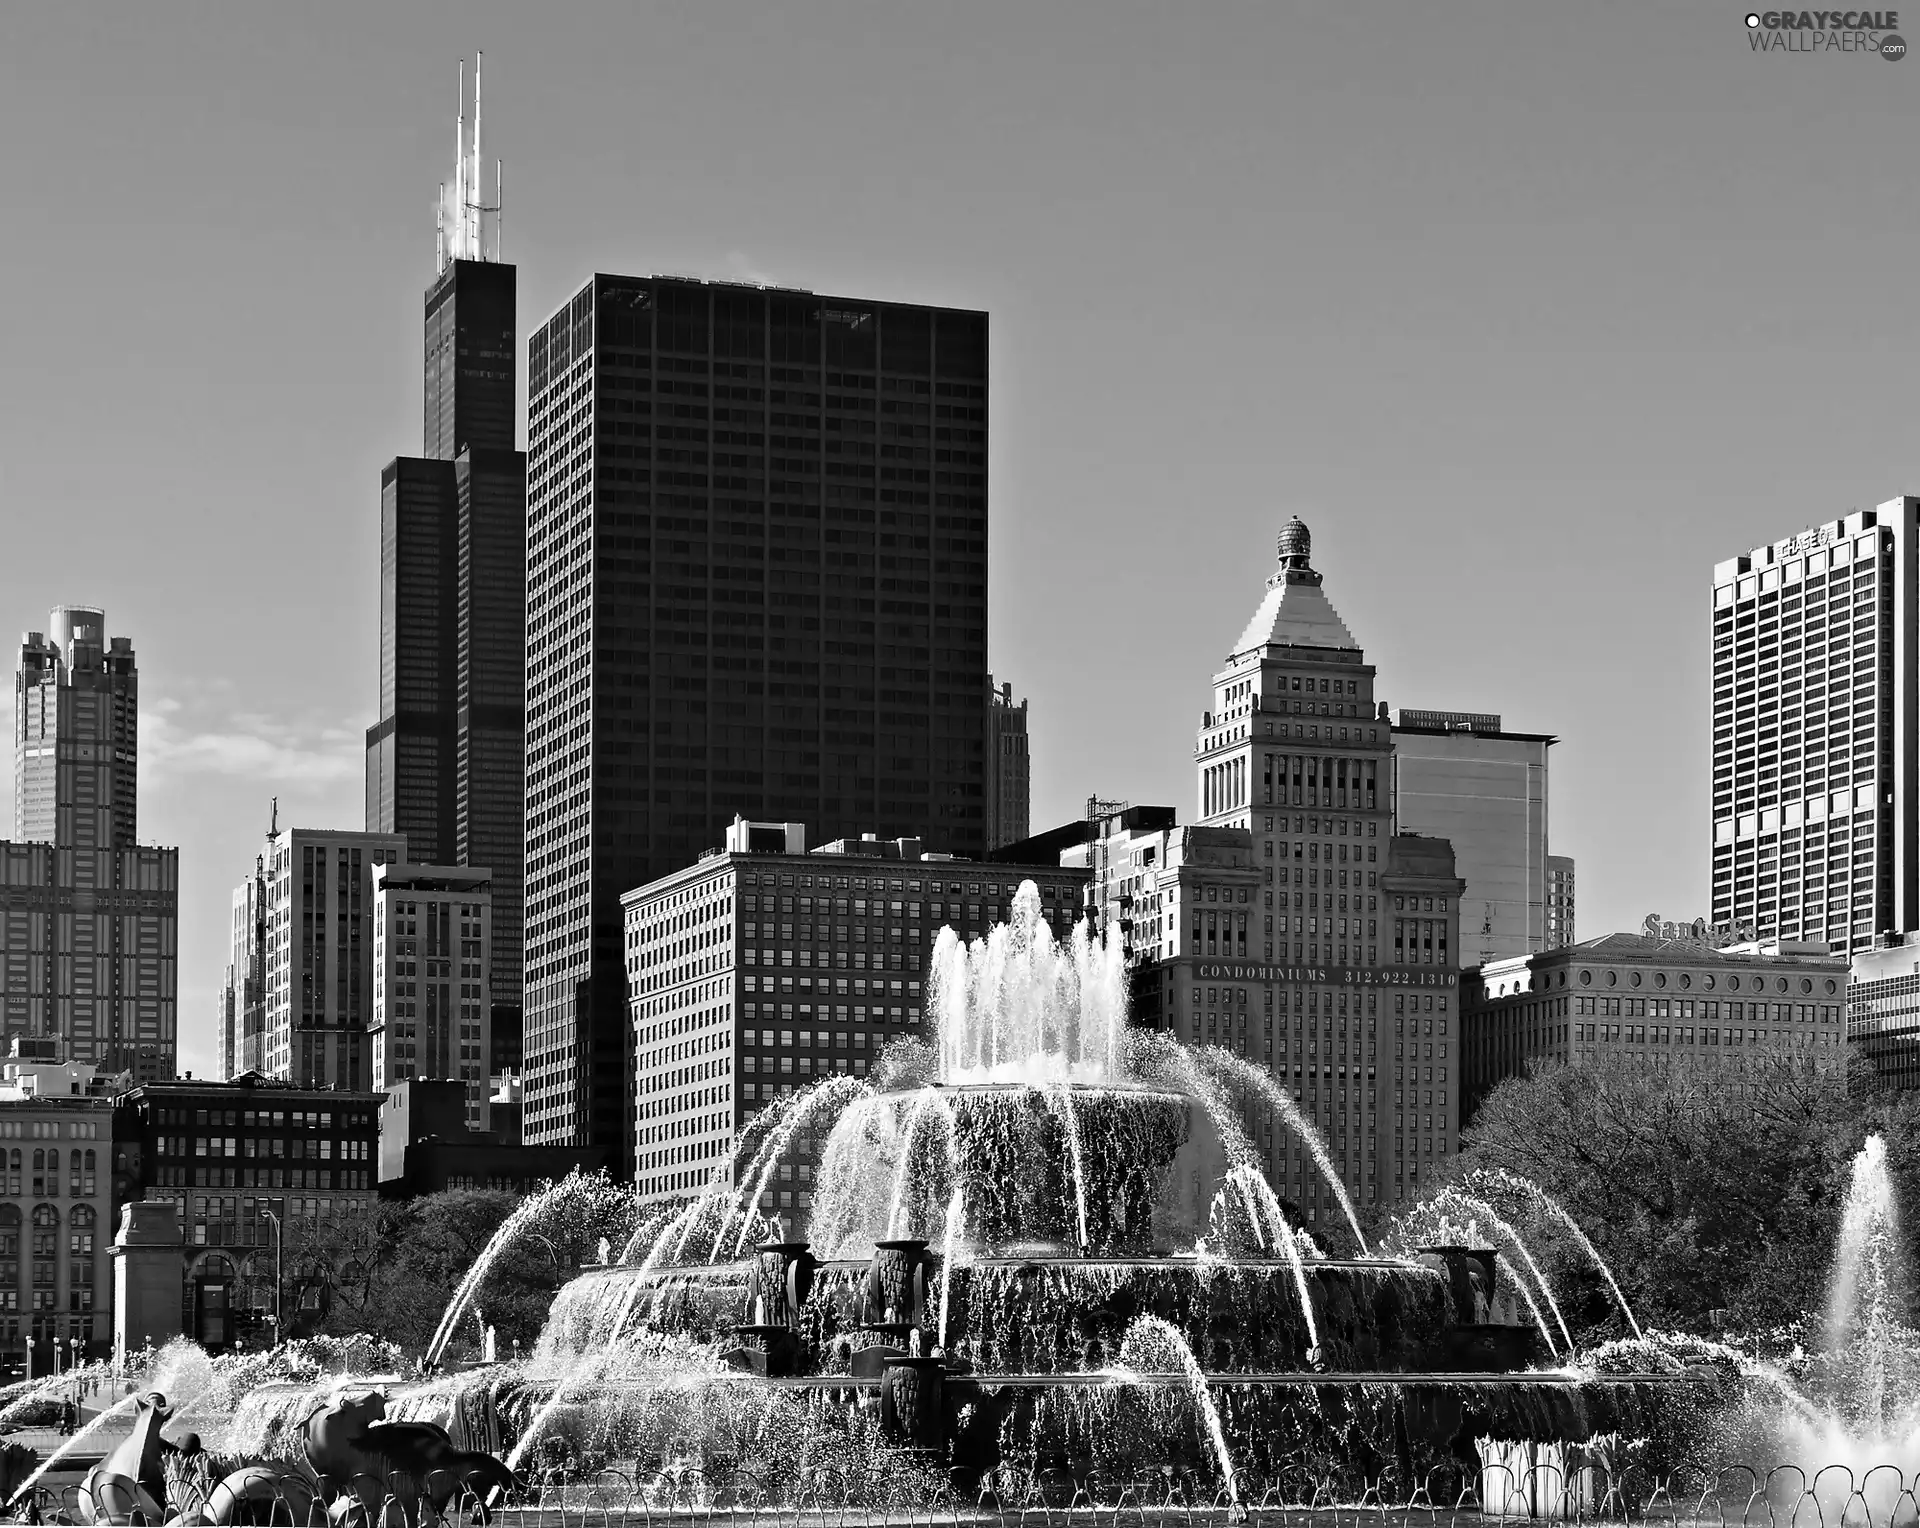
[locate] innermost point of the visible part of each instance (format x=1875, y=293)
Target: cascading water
x=1243, y=1073
x=1152, y=1344
x=1061, y=1100
x=1260, y=1200
x=1558, y=1211
x=1453, y=1197
x=527, y=1216
x=828, y=1097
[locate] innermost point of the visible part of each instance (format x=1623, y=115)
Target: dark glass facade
x=445, y=761
x=470, y=345
x=757, y=550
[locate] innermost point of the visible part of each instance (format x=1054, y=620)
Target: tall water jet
x=576, y=1187
x=1017, y=1007
x=1558, y=1211
x=1865, y=1263
x=828, y=1096
x=1151, y=1343
x=1260, y=1200
x=1280, y=1101
x=1500, y=1229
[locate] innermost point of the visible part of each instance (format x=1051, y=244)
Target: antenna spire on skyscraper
x=463, y=221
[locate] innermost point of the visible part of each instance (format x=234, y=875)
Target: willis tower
x=445, y=761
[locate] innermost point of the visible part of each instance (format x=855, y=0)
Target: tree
x=1713, y=1191
x=396, y=1272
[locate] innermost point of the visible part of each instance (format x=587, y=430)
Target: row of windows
x=167, y=1175
x=1662, y=1034
x=251, y=1119
x=49, y=1130
x=1686, y=1008
x=255, y=1146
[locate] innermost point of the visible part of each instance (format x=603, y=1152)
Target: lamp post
x=279, y=1271
x=31, y=1345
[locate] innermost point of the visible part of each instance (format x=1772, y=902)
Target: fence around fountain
x=1508, y=1484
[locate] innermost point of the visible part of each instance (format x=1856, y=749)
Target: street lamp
x=279, y=1271
x=32, y=1343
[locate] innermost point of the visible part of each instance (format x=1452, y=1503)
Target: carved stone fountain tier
x=1029, y=1157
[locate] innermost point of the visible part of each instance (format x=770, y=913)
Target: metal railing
x=915, y=1495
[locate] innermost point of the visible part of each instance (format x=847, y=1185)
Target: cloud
x=179, y=741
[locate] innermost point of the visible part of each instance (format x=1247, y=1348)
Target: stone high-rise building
x=89, y=918
x=1295, y=924
x=757, y=587
x=1009, y=768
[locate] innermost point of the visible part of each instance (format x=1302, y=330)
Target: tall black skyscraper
x=445, y=762
x=757, y=584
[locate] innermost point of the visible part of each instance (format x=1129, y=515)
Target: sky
x=1533, y=313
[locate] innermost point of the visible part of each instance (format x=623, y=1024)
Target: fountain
x=1855, y=1399
x=1023, y=1270
x=996, y=1239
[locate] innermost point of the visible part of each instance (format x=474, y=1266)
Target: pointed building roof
x=1296, y=611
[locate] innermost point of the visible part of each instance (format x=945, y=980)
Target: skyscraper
x=1297, y=925
x=445, y=762
x=1359, y=921
x=1816, y=764
x=76, y=734
x=317, y=987
x=1458, y=775
x=89, y=919
x=756, y=545
x=431, y=930
x=1009, y=768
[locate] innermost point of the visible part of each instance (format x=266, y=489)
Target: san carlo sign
x=1713, y=935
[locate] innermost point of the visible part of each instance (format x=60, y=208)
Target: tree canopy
x=1713, y=1192
x=395, y=1270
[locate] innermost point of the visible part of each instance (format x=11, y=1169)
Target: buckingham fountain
x=1041, y=1263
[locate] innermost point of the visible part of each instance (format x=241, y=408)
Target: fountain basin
x=1077, y=1166
x=1061, y=1315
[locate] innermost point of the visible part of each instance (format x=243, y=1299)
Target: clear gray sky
x=1533, y=311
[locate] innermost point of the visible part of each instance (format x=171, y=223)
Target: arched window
x=90, y=1161
x=53, y=1160
x=82, y=1217
x=45, y=1216
x=14, y=1163
x=39, y=1159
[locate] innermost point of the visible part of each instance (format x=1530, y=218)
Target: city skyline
x=1542, y=429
